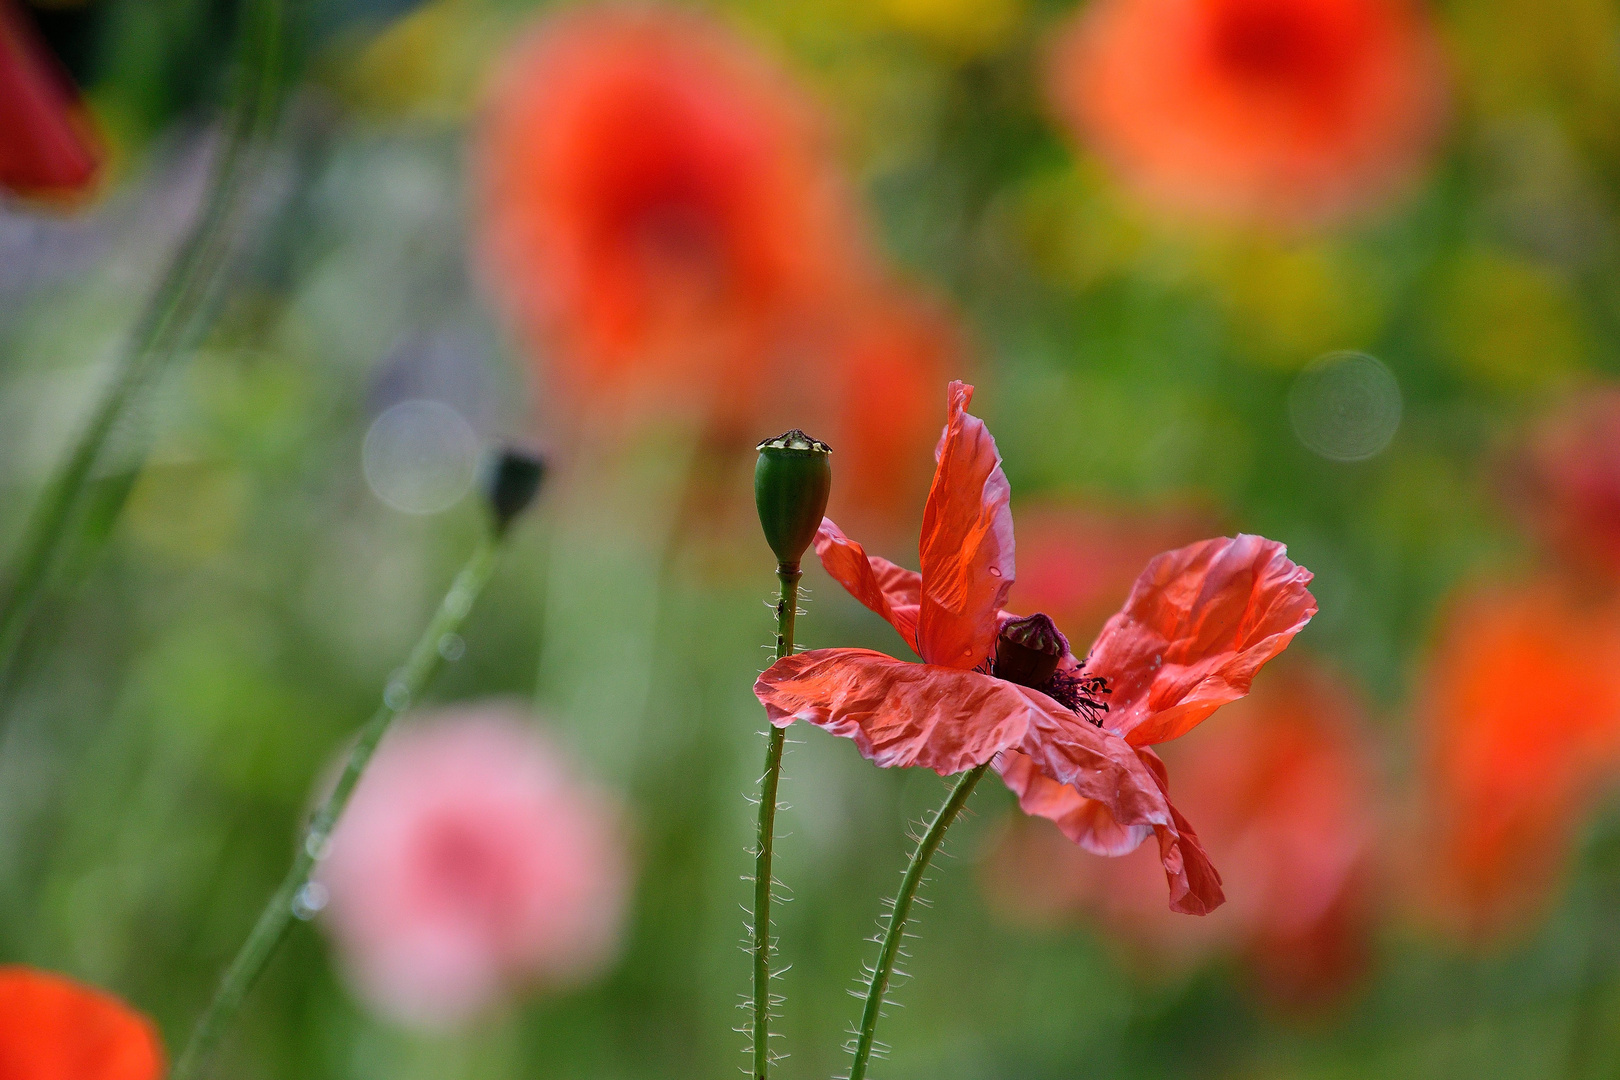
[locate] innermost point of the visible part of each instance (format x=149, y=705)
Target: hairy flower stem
x=787, y=605
x=85, y=493
x=902, y=910
x=291, y=899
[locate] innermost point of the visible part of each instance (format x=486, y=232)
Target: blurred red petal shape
x=54, y=1029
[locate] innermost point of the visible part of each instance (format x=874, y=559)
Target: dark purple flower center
x=1028, y=652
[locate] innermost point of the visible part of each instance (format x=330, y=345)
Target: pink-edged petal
x=892, y=591
x=1085, y=821
x=1199, y=623
x=967, y=542
x=899, y=714
x=1129, y=786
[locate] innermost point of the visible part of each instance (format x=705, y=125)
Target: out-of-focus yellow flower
x=1556, y=55
x=189, y=511
x=428, y=64
x=966, y=27
x=1510, y=323
x=1075, y=229
x=1290, y=303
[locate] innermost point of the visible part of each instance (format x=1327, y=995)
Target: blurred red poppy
x=1077, y=562
x=881, y=399
x=46, y=147
x=1568, y=478
x=54, y=1029
x=660, y=209
x=1282, y=789
x=1198, y=625
x=1522, y=716
x=1287, y=111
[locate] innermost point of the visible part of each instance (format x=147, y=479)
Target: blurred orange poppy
x=1282, y=790
x=54, y=1029
x=1522, y=717
x=1286, y=111
x=660, y=211
x=45, y=143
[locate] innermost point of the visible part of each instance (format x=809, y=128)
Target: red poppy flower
x=54, y=1029
x=1568, y=477
x=1522, y=709
x=1199, y=623
x=1282, y=792
x=45, y=145
x=659, y=206
x=1293, y=111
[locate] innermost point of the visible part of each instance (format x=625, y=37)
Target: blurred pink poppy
x=1521, y=717
x=1198, y=625
x=469, y=864
x=46, y=145
x=1293, y=112
x=1282, y=790
x=1568, y=479
x=660, y=209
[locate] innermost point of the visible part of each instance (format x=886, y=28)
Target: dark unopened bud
x=511, y=485
x=791, y=483
x=1028, y=650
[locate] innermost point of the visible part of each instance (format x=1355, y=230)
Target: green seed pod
x=791, y=483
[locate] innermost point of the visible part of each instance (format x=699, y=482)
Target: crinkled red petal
x=1199, y=623
x=892, y=591
x=1127, y=792
x=898, y=714
x=52, y=1028
x=967, y=542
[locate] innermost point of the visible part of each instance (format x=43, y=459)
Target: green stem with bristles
x=787, y=605
x=895, y=932
x=291, y=900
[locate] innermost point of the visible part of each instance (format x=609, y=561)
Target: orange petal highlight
x=967, y=542
x=889, y=590
x=1200, y=622
x=899, y=714
x=52, y=1028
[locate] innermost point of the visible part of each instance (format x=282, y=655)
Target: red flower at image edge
x=1283, y=792
x=1522, y=716
x=1289, y=111
x=52, y=1028
x=1568, y=478
x=45, y=142
x=1198, y=625
x=659, y=207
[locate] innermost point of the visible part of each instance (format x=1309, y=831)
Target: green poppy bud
x=791, y=482
x=511, y=484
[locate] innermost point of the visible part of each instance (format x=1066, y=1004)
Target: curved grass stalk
x=173, y=320
x=895, y=931
x=293, y=899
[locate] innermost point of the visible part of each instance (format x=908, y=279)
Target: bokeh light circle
x=420, y=456
x=1345, y=406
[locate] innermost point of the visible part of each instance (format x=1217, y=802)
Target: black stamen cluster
x=1080, y=693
